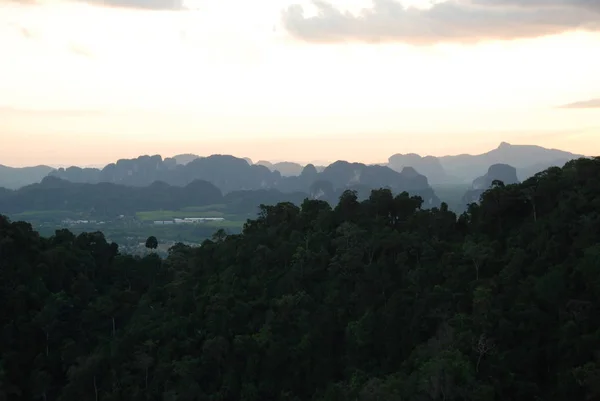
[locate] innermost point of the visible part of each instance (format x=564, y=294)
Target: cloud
x=18, y=1
x=585, y=104
x=141, y=4
x=463, y=21
x=582, y=4
x=131, y=4
x=51, y=112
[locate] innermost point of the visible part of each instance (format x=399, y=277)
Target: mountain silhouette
x=411, y=172
x=14, y=177
x=527, y=159
x=503, y=173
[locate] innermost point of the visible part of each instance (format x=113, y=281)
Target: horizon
x=324, y=163
x=294, y=80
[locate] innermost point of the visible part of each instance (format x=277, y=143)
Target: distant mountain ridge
x=230, y=173
x=430, y=166
x=15, y=177
x=527, y=159
x=106, y=198
x=503, y=173
x=185, y=158
x=286, y=169
x=110, y=200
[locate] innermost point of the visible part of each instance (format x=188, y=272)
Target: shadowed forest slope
x=372, y=300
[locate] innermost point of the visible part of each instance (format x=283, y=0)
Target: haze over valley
x=152, y=193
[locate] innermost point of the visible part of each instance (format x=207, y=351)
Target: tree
x=372, y=300
x=152, y=242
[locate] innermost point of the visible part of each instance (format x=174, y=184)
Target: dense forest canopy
x=374, y=300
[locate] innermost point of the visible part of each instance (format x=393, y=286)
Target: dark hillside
x=372, y=300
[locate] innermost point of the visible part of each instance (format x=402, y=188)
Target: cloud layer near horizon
x=464, y=21
x=131, y=4
x=141, y=4
x=585, y=104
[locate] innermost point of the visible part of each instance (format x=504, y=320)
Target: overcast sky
x=87, y=82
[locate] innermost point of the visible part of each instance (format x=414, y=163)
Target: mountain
x=267, y=164
x=232, y=181
x=140, y=171
x=15, y=177
x=497, y=172
x=88, y=175
x=185, y=158
x=429, y=166
x=5, y=192
x=107, y=199
x=230, y=174
x=526, y=172
x=527, y=159
x=287, y=169
x=343, y=174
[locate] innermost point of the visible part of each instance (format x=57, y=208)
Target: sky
x=87, y=82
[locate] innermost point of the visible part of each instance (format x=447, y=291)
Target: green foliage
x=368, y=301
x=152, y=242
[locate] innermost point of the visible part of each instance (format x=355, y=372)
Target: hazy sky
x=89, y=81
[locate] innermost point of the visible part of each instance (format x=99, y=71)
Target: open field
x=153, y=215
x=130, y=235
x=50, y=215
x=130, y=231
x=207, y=208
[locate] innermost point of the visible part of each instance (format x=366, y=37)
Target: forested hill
x=373, y=300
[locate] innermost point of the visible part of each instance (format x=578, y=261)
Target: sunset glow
x=88, y=84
